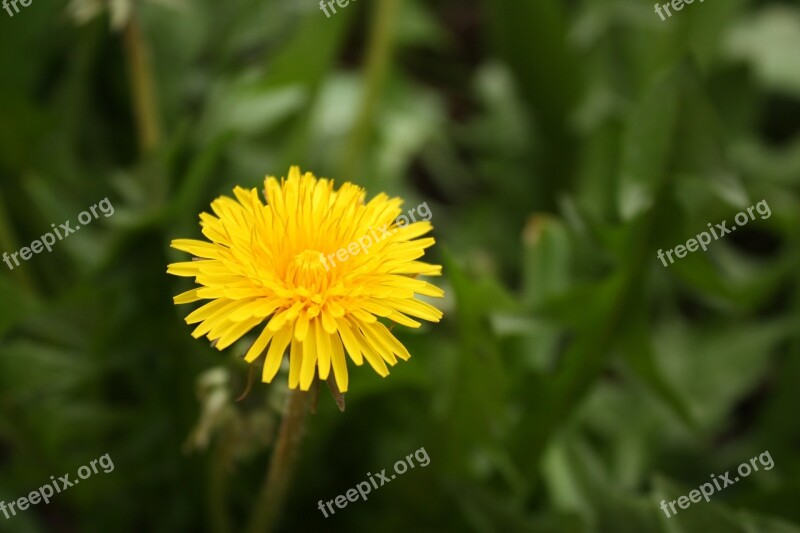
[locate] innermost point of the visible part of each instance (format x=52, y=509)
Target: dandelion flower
x=320, y=272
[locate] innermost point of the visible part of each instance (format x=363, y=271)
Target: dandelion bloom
x=278, y=267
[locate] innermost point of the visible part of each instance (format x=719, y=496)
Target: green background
x=574, y=381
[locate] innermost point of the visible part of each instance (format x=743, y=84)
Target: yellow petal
x=415, y=308
x=309, y=366
x=187, y=269
x=301, y=327
x=323, y=347
x=417, y=267
x=206, y=311
x=258, y=346
x=374, y=360
x=260, y=308
x=378, y=343
x=202, y=249
x=235, y=332
x=391, y=341
x=339, y=364
x=350, y=342
x=186, y=297
x=275, y=353
x=219, y=318
x=295, y=360
x=328, y=323
x=402, y=319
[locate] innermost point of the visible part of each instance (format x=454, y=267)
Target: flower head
x=317, y=270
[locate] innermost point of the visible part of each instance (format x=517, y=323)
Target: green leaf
x=638, y=352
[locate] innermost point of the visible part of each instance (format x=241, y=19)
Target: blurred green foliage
x=574, y=383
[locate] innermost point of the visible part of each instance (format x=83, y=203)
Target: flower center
x=306, y=269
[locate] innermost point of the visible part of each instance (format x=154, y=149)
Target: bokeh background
x=574, y=382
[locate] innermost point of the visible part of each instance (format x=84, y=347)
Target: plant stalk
x=270, y=500
x=218, y=485
x=378, y=60
x=140, y=72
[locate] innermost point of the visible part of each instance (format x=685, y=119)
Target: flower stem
x=378, y=59
x=142, y=86
x=270, y=500
x=218, y=485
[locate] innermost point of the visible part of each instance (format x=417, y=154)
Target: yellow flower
x=300, y=268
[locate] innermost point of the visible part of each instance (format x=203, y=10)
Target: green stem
x=218, y=485
x=378, y=60
x=269, y=503
x=142, y=86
